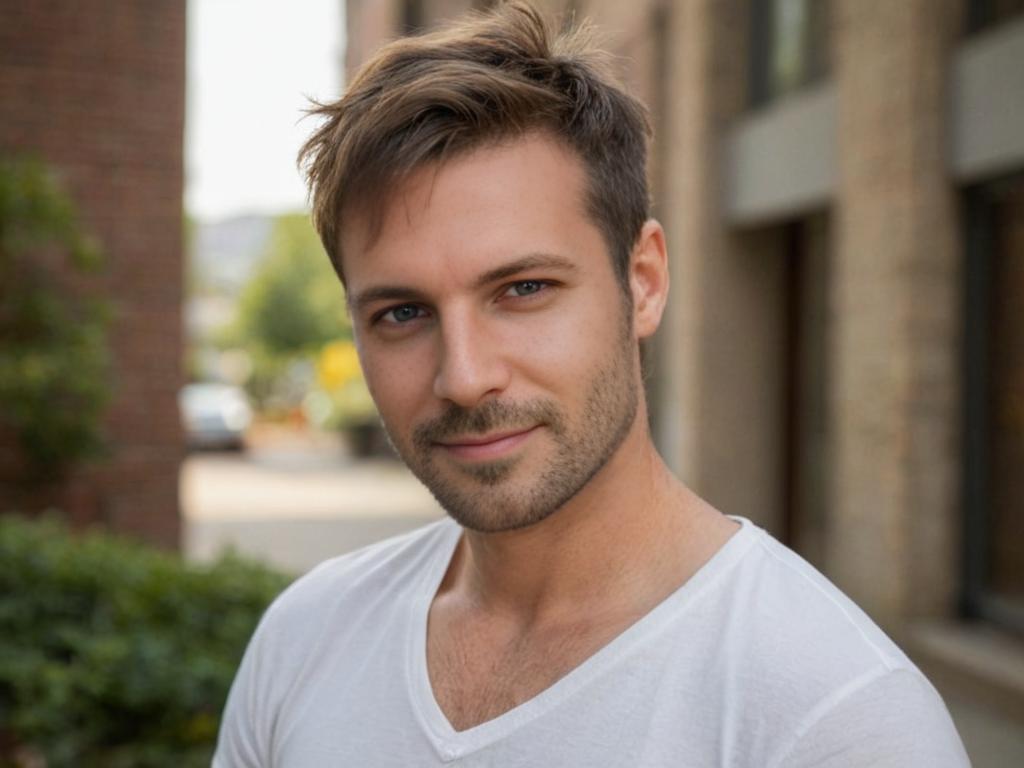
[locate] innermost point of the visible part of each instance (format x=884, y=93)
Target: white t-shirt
x=756, y=661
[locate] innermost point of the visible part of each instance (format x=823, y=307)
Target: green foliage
x=35, y=212
x=293, y=305
x=54, y=361
x=112, y=654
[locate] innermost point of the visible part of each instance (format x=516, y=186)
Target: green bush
x=113, y=654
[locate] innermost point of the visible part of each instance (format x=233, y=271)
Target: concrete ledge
x=976, y=661
x=987, y=105
x=781, y=162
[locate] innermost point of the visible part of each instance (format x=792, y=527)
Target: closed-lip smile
x=477, y=447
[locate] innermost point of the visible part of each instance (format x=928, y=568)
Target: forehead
x=524, y=195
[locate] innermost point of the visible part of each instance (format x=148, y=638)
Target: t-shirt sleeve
x=894, y=720
x=245, y=726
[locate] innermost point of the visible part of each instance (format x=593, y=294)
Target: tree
x=291, y=308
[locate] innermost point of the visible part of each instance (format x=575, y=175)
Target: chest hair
x=478, y=675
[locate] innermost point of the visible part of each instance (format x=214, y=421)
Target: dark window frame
x=983, y=15
x=977, y=601
x=761, y=52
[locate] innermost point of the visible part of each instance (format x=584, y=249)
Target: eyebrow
x=531, y=261
x=384, y=293
x=408, y=293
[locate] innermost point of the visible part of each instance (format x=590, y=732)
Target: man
x=481, y=192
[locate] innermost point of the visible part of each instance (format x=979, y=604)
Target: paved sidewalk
x=295, y=499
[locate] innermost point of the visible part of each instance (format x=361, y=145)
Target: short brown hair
x=482, y=79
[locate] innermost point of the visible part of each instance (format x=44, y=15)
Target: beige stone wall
x=723, y=333
x=894, y=290
x=895, y=351
x=369, y=24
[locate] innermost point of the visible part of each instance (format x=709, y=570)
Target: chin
x=508, y=503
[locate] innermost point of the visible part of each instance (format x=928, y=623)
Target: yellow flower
x=338, y=365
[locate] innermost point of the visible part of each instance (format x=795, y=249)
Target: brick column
x=896, y=311
x=97, y=90
x=724, y=321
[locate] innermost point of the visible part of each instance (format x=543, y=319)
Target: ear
x=648, y=279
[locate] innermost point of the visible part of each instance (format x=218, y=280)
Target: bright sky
x=251, y=64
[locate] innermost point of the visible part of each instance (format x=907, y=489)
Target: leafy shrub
x=54, y=356
x=113, y=654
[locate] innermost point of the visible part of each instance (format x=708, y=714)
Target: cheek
x=562, y=347
x=397, y=381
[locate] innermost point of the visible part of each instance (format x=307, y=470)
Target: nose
x=471, y=365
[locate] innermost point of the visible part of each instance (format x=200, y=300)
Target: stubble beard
x=484, y=497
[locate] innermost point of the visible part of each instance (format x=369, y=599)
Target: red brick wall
x=97, y=88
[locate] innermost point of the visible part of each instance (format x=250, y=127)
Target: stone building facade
x=97, y=90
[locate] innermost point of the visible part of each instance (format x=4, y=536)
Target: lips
x=484, y=447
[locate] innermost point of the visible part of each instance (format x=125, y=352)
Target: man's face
x=493, y=334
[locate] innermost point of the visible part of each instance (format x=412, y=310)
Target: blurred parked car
x=214, y=415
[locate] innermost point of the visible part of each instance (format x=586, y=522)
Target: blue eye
x=401, y=314
x=526, y=287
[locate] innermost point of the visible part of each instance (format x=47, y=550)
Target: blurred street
x=295, y=498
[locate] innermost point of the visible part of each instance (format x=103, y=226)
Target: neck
x=629, y=538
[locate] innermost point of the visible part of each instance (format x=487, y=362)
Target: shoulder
x=817, y=668
x=356, y=598
x=377, y=569
x=795, y=614
x=894, y=718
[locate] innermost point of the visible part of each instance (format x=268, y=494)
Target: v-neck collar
x=451, y=744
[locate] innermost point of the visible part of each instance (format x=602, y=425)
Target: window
x=807, y=436
x=412, y=19
x=994, y=403
x=789, y=47
x=982, y=15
